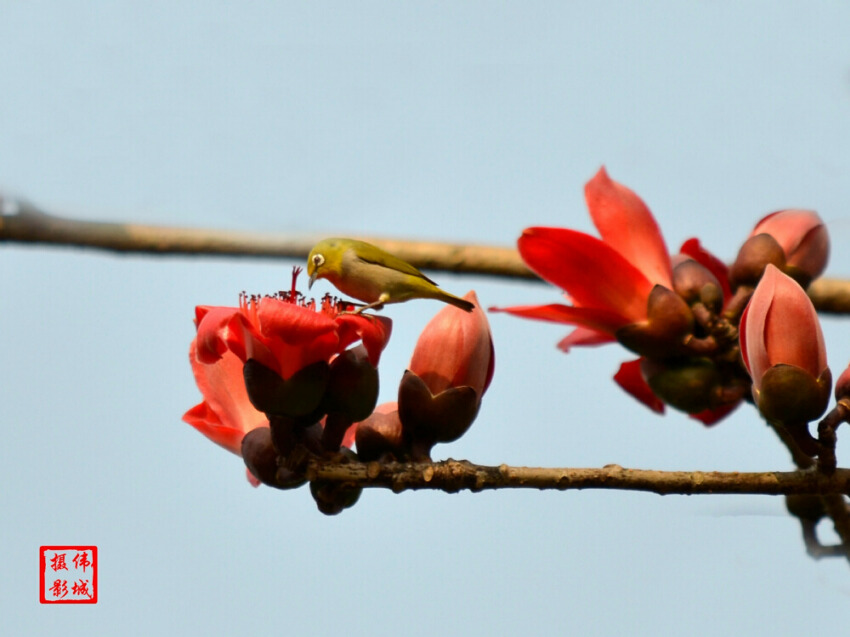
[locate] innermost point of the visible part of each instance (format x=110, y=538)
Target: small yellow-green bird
x=372, y=275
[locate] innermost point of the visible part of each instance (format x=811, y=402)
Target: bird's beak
x=313, y=278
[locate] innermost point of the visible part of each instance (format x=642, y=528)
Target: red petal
x=630, y=378
x=251, y=479
x=226, y=413
x=297, y=336
x=213, y=324
x=200, y=313
x=348, y=438
x=290, y=322
x=455, y=349
x=594, y=274
x=712, y=416
x=594, y=319
x=230, y=329
x=694, y=249
x=373, y=331
x=742, y=339
x=627, y=225
x=792, y=332
x=583, y=336
x=202, y=419
x=752, y=327
x=788, y=227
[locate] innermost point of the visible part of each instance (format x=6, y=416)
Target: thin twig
x=834, y=504
x=457, y=475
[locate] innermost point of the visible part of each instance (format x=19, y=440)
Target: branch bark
x=460, y=475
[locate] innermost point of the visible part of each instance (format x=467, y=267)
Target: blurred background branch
x=22, y=222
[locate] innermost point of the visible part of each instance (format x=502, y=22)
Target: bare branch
x=28, y=224
x=458, y=475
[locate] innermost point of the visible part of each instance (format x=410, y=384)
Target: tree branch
x=460, y=475
x=21, y=222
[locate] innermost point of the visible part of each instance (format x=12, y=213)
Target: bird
x=372, y=275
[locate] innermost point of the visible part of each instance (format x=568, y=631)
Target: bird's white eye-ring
x=318, y=260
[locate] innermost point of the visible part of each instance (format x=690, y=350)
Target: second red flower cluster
x=682, y=314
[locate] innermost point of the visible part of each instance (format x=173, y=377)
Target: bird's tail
x=458, y=302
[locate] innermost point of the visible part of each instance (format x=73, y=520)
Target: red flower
x=783, y=350
x=608, y=280
x=622, y=286
x=279, y=333
x=226, y=414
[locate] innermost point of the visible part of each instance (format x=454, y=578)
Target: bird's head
x=320, y=262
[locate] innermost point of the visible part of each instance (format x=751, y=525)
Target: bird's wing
x=389, y=261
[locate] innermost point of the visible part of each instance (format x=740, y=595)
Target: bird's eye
x=318, y=260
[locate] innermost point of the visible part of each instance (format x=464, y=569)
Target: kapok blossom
x=609, y=280
x=285, y=334
x=623, y=287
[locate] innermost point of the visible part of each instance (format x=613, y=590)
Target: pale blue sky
x=455, y=121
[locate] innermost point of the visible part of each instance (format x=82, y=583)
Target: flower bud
x=696, y=284
x=334, y=497
x=352, y=388
x=804, y=241
x=296, y=397
x=842, y=385
x=754, y=256
x=784, y=352
x=455, y=349
x=291, y=438
x=428, y=419
x=805, y=507
x=451, y=368
x=691, y=386
x=380, y=435
x=259, y=455
x=789, y=394
x=669, y=320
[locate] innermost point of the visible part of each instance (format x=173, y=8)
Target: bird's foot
x=377, y=305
